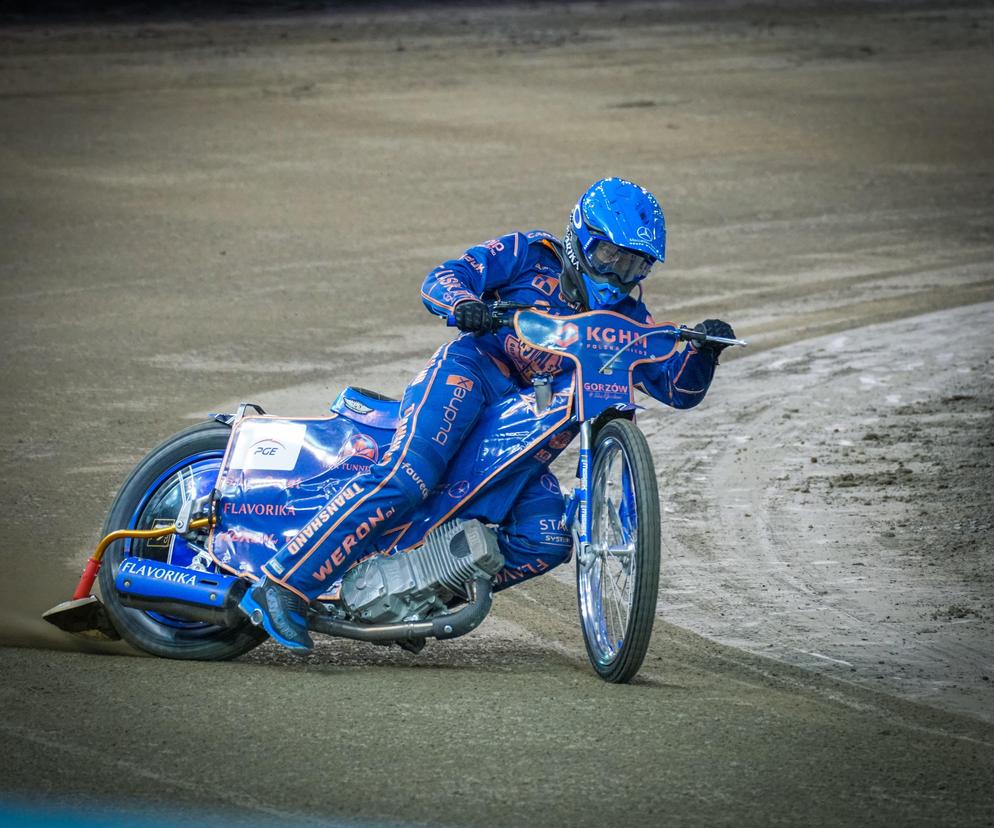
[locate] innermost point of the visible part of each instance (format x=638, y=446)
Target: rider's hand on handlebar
x=714, y=327
x=472, y=316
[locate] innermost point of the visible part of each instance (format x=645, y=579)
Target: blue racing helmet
x=616, y=234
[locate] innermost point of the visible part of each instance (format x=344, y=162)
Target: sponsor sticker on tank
x=265, y=444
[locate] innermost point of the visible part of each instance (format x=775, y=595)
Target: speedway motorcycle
x=197, y=518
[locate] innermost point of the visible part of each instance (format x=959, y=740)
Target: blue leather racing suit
x=445, y=400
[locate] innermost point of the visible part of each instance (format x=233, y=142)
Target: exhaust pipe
x=450, y=625
x=213, y=597
x=176, y=590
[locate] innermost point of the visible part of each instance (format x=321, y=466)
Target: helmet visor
x=607, y=259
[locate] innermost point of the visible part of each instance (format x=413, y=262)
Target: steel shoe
x=282, y=613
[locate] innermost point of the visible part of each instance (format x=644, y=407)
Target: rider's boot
x=281, y=612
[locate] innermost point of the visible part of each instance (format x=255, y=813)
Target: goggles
x=608, y=260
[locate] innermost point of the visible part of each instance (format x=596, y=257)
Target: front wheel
x=617, y=576
x=184, y=467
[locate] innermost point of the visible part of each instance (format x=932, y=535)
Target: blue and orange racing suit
x=461, y=379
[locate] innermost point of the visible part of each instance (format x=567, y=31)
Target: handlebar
x=502, y=316
x=690, y=335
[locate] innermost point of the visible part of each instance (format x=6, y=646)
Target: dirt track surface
x=838, y=520
x=196, y=214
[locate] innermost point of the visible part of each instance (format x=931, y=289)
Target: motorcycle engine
x=410, y=586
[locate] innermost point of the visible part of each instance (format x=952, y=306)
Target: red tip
x=86, y=580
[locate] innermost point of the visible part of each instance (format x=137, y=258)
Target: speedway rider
x=614, y=236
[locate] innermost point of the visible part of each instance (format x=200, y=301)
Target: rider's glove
x=472, y=316
x=714, y=327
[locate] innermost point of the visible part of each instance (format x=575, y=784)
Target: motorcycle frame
x=552, y=334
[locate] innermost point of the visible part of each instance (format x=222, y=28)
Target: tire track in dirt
x=792, y=535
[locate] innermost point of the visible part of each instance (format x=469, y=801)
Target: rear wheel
x=618, y=575
x=184, y=466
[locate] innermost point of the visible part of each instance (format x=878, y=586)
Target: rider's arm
x=681, y=381
x=476, y=274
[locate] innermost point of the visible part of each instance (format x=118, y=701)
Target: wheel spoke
x=616, y=604
x=626, y=600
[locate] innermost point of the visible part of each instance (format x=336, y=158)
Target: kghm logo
x=612, y=336
x=600, y=339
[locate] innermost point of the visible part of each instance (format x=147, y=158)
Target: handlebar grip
x=498, y=320
x=690, y=335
